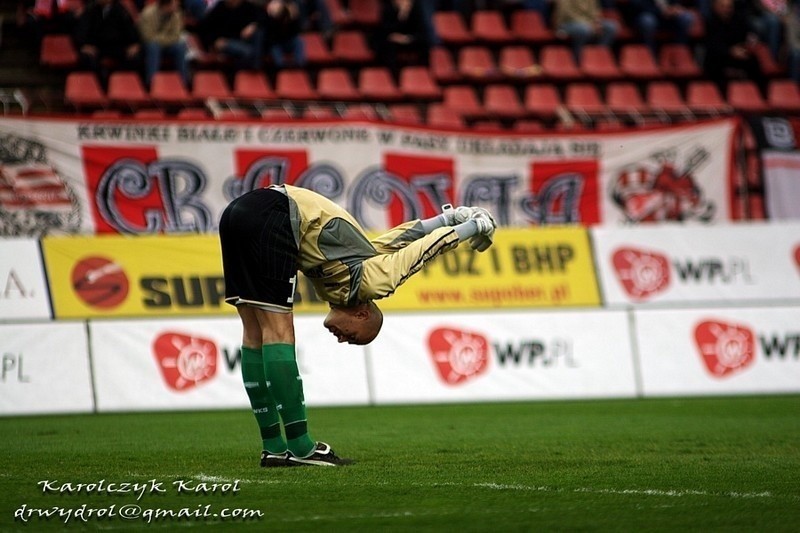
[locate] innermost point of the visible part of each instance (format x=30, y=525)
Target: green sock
x=286, y=385
x=261, y=400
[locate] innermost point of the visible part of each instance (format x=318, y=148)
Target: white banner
x=196, y=364
x=753, y=262
x=781, y=184
x=719, y=351
x=23, y=290
x=120, y=176
x=44, y=369
x=502, y=356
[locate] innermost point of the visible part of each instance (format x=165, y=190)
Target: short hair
x=375, y=320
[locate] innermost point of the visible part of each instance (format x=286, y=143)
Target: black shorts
x=259, y=253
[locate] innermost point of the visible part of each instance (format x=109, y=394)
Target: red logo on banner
x=641, y=273
x=725, y=348
x=185, y=361
x=429, y=178
x=797, y=255
x=99, y=282
x=564, y=193
x=458, y=355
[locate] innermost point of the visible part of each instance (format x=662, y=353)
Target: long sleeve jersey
x=344, y=265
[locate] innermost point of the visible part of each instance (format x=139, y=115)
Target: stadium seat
x=167, y=88
x=623, y=98
x=528, y=26
x=316, y=49
x=276, y=113
x=417, y=83
x=365, y=12
x=703, y=97
x=82, y=90
x=377, y=84
x=769, y=67
x=637, y=62
x=193, y=113
x=477, y=64
x=210, y=84
x=451, y=29
x=489, y=27
x=464, y=100
x=231, y=114
x=405, y=114
x=665, y=99
x=558, y=63
x=58, y=51
x=440, y=116
x=597, y=62
x=744, y=97
x=319, y=112
x=502, y=101
x=294, y=84
x=339, y=15
x=518, y=63
x=250, y=85
x=351, y=47
x=584, y=100
x=625, y=33
x=336, y=84
x=783, y=95
x=443, y=67
x=125, y=89
x=676, y=61
x=542, y=100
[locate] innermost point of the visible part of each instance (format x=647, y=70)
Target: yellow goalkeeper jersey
x=345, y=266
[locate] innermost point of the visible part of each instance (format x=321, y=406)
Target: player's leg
x=255, y=383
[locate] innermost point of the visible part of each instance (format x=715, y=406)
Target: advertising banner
x=677, y=265
x=44, y=369
x=141, y=177
x=502, y=356
x=23, y=289
x=156, y=275
x=196, y=364
x=719, y=351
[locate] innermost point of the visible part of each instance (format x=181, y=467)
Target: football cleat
x=321, y=456
x=269, y=459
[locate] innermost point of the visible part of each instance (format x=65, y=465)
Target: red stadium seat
x=377, y=84
x=319, y=112
x=744, y=96
x=210, y=84
x=443, y=67
x=542, y=100
x=784, y=96
x=451, y=29
x=623, y=98
x=584, y=100
x=360, y=112
x=676, y=61
x=365, y=12
x=558, y=63
x=703, y=97
x=351, y=47
x=339, y=15
x=250, y=85
x=464, y=100
x=405, y=114
x=294, y=85
x=193, y=113
x=637, y=62
x=417, y=83
x=489, y=27
x=502, y=101
x=126, y=89
x=518, y=63
x=336, y=84
x=528, y=126
x=58, y=51
x=167, y=88
x=528, y=26
x=316, y=49
x=443, y=117
x=665, y=98
x=597, y=62
x=477, y=63
x=83, y=90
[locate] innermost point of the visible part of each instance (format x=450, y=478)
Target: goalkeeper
x=267, y=235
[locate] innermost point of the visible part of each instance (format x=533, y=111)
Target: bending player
x=266, y=236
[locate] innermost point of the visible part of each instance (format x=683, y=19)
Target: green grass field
x=716, y=464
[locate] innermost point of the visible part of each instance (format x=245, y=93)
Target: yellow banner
x=182, y=275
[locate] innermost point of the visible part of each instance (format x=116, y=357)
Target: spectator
x=161, y=28
x=729, y=45
x=581, y=21
x=282, y=26
x=792, y=20
x=39, y=17
x=650, y=16
x=315, y=13
x=106, y=32
x=766, y=19
x=231, y=28
x=403, y=32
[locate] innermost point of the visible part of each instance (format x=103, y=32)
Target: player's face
x=346, y=326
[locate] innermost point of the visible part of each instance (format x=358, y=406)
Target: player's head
x=358, y=324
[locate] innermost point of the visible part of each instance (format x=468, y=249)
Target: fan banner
x=143, y=177
x=781, y=184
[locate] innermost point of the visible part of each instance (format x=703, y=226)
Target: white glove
x=486, y=226
x=454, y=216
